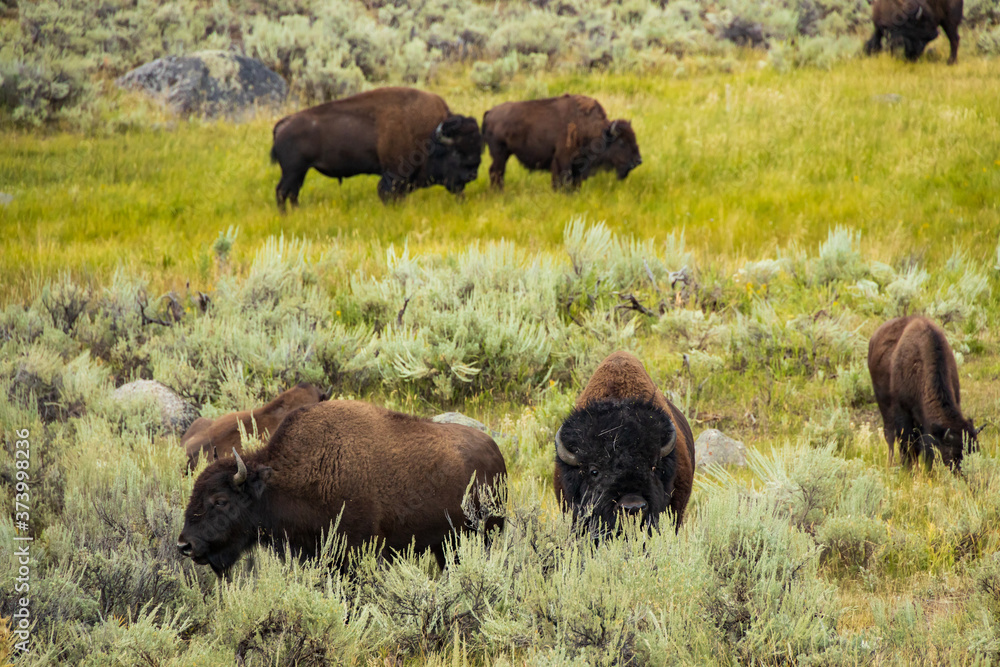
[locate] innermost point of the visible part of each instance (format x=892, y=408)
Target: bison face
x=622, y=152
x=616, y=457
x=954, y=443
x=455, y=153
x=221, y=517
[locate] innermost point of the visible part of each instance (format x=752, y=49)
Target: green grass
x=743, y=162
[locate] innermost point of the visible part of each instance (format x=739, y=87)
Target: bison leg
x=289, y=186
x=498, y=168
x=874, y=45
x=562, y=175
x=951, y=29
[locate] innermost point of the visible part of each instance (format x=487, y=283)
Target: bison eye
x=594, y=471
x=221, y=502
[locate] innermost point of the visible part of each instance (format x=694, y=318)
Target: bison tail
x=274, y=155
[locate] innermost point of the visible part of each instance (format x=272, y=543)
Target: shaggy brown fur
x=916, y=386
x=397, y=478
x=914, y=23
x=408, y=137
x=206, y=436
x=622, y=376
x=570, y=136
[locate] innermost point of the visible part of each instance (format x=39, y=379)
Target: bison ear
x=259, y=481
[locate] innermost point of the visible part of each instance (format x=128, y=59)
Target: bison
x=570, y=136
x=624, y=449
x=914, y=23
x=916, y=386
x=408, y=137
x=206, y=436
x=386, y=476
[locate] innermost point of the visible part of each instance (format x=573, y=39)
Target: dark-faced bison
x=408, y=137
x=570, y=136
x=914, y=23
x=222, y=435
x=916, y=386
x=625, y=449
x=396, y=478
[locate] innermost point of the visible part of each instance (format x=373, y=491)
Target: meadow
x=780, y=215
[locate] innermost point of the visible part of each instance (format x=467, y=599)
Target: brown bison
x=916, y=386
x=625, y=449
x=222, y=435
x=387, y=476
x=914, y=23
x=570, y=136
x=408, y=137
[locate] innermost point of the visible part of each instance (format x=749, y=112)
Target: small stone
x=459, y=418
x=177, y=414
x=713, y=446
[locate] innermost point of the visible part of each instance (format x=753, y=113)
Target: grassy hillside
x=777, y=220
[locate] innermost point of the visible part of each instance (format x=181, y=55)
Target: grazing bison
x=396, y=478
x=406, y=136
x=570, y=136
x=916, y=386
x=914, y=23
x=625, y=449
x=206, y=436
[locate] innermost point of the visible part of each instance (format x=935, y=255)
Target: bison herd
x=623, y=453
x=411, y=139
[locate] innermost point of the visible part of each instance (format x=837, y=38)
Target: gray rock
x=5, y=198
x=713, y=446
x=177, y=414
x=211, y=83
x=459, y=418
x=888, y=98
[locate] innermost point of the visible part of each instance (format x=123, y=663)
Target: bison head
x=622, y=152
x=221, y=517
x=455, y=152
x=616, y=457
x=912, y=26
x=953, y=443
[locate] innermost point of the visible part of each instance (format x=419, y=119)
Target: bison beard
x=616, y=457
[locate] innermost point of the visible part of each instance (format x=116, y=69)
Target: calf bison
x=914, y=23
x=625, y=449
x=916, y=386
x=206, y=436
x=570, y=136
x=388, y=476
x=408, y=137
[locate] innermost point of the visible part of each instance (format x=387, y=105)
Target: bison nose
x=185, y=548
x=632, y=504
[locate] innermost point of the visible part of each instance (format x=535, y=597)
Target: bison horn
x=614, y=129
x=215, y=453
x=669, y=447
x=920, y=12
x=566, y=456
x=241, y=469
x=440, y=138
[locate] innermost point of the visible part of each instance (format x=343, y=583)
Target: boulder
x=176, y=414
x=713, y=446
x=209, y=83
x=459, y=418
